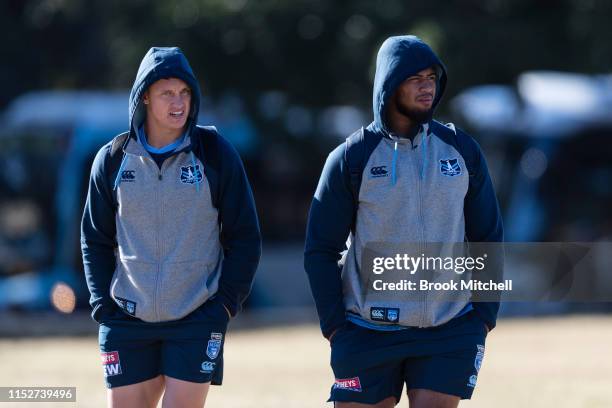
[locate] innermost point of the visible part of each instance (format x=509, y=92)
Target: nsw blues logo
x=189, y=175
x=450, y=167
x=392, y=315
x=477, y=365
x=127, y=305
x=214, y=345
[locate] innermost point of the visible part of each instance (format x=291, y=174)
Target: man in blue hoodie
x=405, y=178
x=170, y=242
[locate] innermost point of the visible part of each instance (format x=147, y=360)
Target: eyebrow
x=434, y=73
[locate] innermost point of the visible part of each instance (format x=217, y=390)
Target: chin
x=175, y=125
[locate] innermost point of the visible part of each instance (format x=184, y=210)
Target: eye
x=186, y=92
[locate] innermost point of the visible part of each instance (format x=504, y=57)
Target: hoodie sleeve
x=240, y=236
x=483, y=221
x=98, y=240
x=329, y=224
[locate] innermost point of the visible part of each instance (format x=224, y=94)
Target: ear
x=145, y=97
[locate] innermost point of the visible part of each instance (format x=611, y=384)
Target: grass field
x=547, y=362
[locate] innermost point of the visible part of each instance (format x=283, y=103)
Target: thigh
x=184, y=394
x=145, y=394
x=364, y=372
x=129, y=354
x=386, y=403
x=420, y=398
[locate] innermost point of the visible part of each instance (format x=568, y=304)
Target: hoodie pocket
x=133, y=288
x=184, y=286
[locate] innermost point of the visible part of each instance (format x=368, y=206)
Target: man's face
x=168, y=102
x=414, y=97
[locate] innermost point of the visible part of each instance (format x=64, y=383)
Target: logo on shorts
x=472, y=382
x=111, y=363
x=479, y=357
x=477, y=365
x=214, y=345
x=385, y=314
x=191, y=176
x=207, y=367
x=348, y=384
x=450, y=167
x=379, y=171
x=127, y=305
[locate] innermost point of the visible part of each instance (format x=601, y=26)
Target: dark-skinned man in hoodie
x=405, y=178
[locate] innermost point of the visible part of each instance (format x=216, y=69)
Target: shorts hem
x=210, y=380
x=462, y=395
x=364, y=399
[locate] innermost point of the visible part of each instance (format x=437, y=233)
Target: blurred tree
x=290, y=60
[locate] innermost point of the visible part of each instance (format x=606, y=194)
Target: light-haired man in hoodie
x=170, y=242
x=403, y=179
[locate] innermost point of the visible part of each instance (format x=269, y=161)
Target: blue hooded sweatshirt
x=434, y=188
x=158, y=242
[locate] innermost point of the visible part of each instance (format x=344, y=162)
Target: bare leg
x=421, y=398
x=184, y=394
x=144, y=394
x=386, y=403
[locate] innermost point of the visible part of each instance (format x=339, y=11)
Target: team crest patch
x=127, y=305
x=348, y=384
x=189, y=175
x=392, y=314
x=214, y=345
x=450, y=167
x=477, y=365
x=479, y=357
x=111, y=363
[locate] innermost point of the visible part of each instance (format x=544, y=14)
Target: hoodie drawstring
x=118, y=178
x=423, y=153
x=423, y=156
x=195, y=172
x=393, y=165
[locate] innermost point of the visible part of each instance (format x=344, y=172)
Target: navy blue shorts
x=371, y=365
x=189, y=349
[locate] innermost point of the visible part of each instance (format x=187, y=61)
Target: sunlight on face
x=168, y=102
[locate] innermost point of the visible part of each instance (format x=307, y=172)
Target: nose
x=427, y=84
x=179, y=100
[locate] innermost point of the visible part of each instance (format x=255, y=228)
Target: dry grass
x=553, y=362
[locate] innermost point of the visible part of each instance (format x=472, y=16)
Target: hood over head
x=398, y=58
x=162, y=63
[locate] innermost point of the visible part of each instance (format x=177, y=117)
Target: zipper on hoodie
x=416, y=166
x=160, y=217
